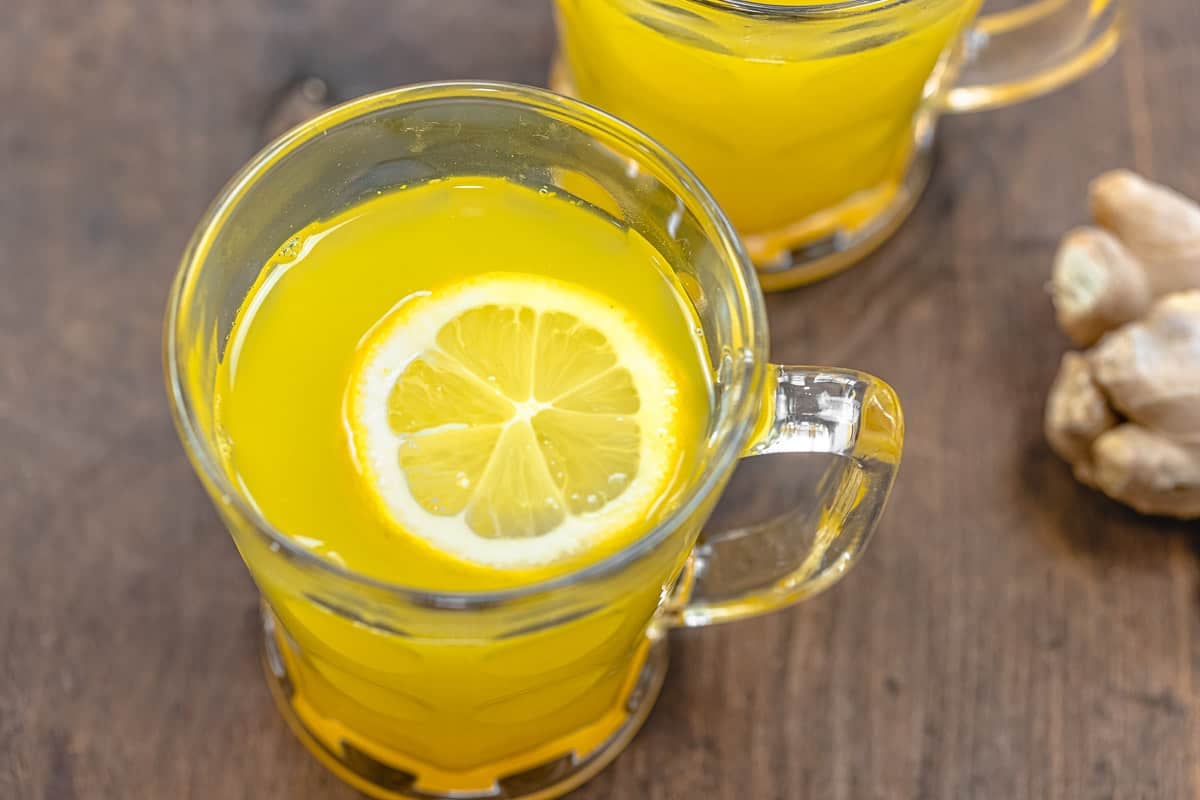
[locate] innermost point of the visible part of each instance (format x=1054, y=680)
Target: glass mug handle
x=752, y=570
x=1013, y=55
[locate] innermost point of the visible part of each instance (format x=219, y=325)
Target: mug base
x=819, y=247
x=370, y=774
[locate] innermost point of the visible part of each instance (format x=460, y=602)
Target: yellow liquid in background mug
x=456, y=713
x=797, y=126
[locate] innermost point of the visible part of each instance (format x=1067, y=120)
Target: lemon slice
x=512, y=420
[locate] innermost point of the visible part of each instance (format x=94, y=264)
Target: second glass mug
x=812, y=123
x=409, y=693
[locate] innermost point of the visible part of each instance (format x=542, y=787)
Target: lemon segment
x=513, y=420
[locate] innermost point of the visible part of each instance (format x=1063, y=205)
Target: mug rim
x=201, y=452
x=756, y=8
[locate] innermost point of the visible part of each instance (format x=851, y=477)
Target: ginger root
x=1158, y=225
x=1096, y=285
x=1126, y=413
x=1150, y=370
x=1077, y=412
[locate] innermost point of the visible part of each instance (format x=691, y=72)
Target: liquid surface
x=281, y=395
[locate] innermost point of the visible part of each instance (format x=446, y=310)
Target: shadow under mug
x=812, y=124
x=409, y=693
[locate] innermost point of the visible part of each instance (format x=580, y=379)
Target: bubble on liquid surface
x=224, y=441
x=290, y=248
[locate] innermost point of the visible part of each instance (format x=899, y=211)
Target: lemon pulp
x=511, y=420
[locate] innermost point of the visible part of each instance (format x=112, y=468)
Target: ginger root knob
x=1096, y=285
x=1148, y=471
x=1076, y=414
x=1150, y=370
x=1158, y=225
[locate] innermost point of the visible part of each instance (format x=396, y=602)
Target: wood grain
x=1009, y=635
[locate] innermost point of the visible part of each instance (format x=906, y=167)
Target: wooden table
x=1009, y=635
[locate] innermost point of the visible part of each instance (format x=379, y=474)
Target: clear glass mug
x=812, y=124
x=528, y=692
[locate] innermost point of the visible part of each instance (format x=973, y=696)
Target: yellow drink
x=464, y=431
x=798, y=127
x=454, y=712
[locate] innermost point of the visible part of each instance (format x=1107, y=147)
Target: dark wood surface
x=1009, y=635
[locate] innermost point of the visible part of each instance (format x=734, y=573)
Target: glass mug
x=527, y=692
x=812, y=124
